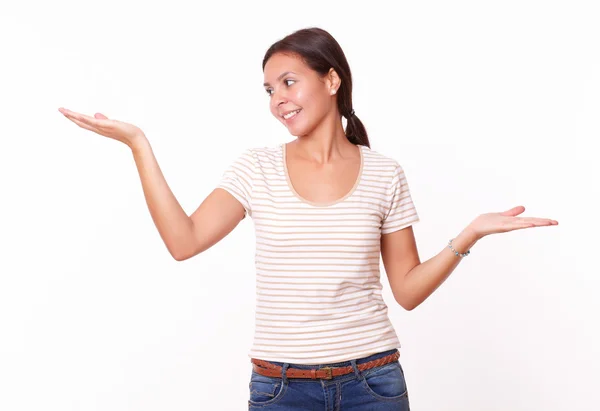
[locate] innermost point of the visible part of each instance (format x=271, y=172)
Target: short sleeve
x=238, y=179
x=400, y=212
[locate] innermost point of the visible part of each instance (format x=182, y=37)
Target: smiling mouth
x=291, y=114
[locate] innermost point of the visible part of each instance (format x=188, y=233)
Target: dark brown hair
x=321, y=52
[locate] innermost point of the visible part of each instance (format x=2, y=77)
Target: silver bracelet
x=456, y=252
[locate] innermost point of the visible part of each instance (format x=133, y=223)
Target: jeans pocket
x=265, y=390
x=386, y=383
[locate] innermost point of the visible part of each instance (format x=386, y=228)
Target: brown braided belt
x=271, y=370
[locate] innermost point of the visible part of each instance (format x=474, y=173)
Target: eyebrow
x=280, y=77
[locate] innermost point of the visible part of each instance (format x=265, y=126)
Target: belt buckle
x=328, y=371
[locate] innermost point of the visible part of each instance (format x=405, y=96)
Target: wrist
x=139, y=143
x=465, y=240
x=471, y=233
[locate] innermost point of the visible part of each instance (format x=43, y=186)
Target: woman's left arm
x=412, y=281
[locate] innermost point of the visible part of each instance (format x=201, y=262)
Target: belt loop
x=284, y=372
x=356, y=370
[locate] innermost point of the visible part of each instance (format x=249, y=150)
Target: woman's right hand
x=100, y=124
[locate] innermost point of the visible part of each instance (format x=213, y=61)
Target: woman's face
x=299, y=97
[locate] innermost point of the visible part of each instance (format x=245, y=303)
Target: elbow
x=408, y=307
x=184, y=248
x=407, y=304
x=179, y=255
x=412, y=307
x=183, y=254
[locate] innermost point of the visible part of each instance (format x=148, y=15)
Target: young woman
x=325, y=207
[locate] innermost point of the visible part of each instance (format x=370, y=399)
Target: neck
x=325, y=143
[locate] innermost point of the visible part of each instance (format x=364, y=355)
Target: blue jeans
x=380, y=388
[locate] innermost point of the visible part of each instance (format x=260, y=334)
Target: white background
x=487, y=105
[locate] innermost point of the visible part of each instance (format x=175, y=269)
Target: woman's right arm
x=185, y=236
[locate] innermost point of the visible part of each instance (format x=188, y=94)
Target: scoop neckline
x=330, y=203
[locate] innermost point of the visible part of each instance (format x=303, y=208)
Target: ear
x=333, y=81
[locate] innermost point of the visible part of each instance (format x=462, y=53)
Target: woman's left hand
x=491, y=223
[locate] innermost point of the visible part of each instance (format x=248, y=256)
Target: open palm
x=100, y=124
x=505, y=221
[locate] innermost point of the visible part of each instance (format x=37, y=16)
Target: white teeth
x=290, y=115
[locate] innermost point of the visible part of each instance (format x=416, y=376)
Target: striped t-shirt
x=318, y=289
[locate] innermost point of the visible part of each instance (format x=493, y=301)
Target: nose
x=278, y=98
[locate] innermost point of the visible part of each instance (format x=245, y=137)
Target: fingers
x=536, y=222
x=82, y=118
x=84, y=125
x=520, y=226
x=74, y=117
x=529, y=222
x=514, y=211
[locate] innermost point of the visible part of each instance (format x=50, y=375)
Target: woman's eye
x=269, y=90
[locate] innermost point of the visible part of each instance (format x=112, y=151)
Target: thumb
x=100, y=116
x=513, y=211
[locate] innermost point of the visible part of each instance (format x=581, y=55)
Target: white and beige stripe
x=318, y=288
